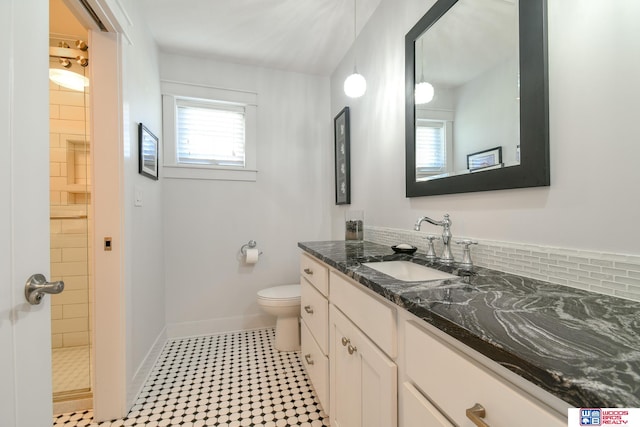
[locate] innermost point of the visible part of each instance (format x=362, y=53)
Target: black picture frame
x=342, y=147
x=147, y=153
x=484, y=159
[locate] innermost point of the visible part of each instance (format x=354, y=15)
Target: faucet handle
x=431, y=252
x=466, y=254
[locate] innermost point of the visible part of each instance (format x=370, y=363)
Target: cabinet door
x=344, y=387
x=378, y=387
x=316, y=364
x=364, y=386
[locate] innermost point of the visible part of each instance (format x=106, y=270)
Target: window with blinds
x=431, y=147
x=210, y=133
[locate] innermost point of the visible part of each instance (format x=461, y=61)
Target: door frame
x=109, y=309
x=107, y=120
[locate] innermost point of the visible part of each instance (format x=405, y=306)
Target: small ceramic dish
x=398, y=250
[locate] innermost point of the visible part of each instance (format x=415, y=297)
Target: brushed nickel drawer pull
x=476, y=415
x=345, y=341
x=308, y=309
x=351, y=349
x=308, y=359
x=308, y=271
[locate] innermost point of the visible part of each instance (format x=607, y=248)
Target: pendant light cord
x=355, y=14
x=421, y=60
x=355, y=10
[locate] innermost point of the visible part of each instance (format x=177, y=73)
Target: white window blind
x=210, y=134
x=431, y=147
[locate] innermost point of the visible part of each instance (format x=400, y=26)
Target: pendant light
x=355, y=85
x=424, y=90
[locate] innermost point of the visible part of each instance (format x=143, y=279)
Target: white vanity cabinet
x=439, y=375
x=314, y=325
x=373, y=364
x=363, y=377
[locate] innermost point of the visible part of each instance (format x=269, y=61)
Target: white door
x=25, y=342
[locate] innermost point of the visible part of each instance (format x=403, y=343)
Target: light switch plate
x=139, y=195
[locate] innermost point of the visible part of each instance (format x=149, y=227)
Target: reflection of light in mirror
x=424, y=93
x=355, y=85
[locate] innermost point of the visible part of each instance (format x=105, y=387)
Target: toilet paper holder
x=249, y=245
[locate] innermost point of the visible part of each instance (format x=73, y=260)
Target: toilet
x=284, y=303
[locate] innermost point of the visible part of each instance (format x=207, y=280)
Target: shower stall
x=70, y=216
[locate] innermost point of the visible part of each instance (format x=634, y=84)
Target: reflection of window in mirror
x=433, y=147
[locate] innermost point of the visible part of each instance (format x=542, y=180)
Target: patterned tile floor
x=235, y=379
x=71, y=369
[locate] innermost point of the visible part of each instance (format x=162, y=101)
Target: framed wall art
x=343, y=157
x=147, y=153
x=485, y=159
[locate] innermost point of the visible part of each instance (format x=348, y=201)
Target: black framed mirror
x=524, y=136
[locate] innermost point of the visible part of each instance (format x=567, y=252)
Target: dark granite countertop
x=580, y=346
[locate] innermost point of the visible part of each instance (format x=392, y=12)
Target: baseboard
x=216, y=326
x=76, y=405
x=145, y=368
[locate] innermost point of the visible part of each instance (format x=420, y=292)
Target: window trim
x=173, y=91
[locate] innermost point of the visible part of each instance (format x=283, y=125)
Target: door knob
x=37, y=286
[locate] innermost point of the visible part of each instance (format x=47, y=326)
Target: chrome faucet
x=447, y=256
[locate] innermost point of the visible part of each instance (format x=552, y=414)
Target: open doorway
x=70, y=210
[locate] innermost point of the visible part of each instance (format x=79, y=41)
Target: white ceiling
x=307, y=36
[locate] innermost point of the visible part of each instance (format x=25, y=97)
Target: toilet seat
x=282, y=294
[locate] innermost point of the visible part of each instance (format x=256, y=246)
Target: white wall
x=208, y=288
x=143, y=237
x=592, y=202
x=486, y=114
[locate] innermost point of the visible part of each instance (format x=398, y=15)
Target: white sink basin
x=408, y=271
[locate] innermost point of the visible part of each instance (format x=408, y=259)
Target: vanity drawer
x=454, y=382
x=375, y=318
x=418, y=411
x=314, y=309
x=316, y=364
x=315, y=272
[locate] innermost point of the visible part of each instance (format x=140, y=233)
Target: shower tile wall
x=69, y=161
